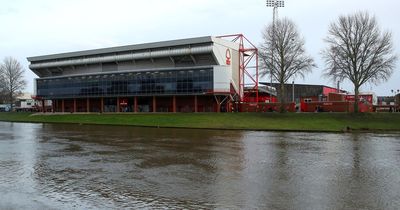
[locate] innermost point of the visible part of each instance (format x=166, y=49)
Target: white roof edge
x=144, y=46
x=225, y=43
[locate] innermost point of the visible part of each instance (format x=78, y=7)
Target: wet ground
x=56, y=166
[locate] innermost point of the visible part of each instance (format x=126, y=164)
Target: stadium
x=203, y=74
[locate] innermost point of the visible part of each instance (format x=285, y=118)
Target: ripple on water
x=101, y=167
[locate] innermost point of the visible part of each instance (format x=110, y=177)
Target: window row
x=195, y=81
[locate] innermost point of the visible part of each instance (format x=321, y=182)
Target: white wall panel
x=222, y=78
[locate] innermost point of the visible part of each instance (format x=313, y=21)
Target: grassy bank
x=332, y=122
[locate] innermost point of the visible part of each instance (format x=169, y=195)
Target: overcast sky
x=32, y=28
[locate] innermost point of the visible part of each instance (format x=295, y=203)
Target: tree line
x=356, y=50
x=12, y=81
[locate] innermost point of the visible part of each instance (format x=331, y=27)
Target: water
x=56, y=166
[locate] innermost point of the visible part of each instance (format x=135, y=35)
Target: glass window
x=128, y=84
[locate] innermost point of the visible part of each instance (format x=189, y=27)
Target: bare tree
x=358, y=51
x=2, y=89
x=289, y=59
x=12, y=77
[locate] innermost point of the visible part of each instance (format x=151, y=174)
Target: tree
x=288, y=59
x=12, y=77
x=358, y=51
x=2, y=89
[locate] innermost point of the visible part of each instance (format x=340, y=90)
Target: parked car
x=5, y=107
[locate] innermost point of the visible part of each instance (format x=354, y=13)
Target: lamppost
x=274, y=4
x=293, y=91
x=395, y=100
x=394, y=92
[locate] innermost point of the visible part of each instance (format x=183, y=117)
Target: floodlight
x=275, y=3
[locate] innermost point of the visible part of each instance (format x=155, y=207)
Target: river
x=61, y=166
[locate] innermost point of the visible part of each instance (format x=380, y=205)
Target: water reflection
x=75, y=166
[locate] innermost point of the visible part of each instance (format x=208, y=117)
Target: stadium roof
x=135, y=47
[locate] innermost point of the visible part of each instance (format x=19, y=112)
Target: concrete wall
x=220, y=52
x=222, y=78
x=235, y=68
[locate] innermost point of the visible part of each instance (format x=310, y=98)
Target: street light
x=293, y=91
x=394, y=92
x=275, y=4
x=395, y=102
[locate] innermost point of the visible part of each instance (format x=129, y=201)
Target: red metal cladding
x=327, y=90
x=36, y=97
x=248, y=60
x=361, y=97
x=334, y=106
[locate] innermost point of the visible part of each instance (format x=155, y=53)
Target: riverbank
x=323, y=122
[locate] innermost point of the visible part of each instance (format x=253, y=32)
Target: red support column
x=248, y=55
x=135, y=104
x=74, y=105
x=87, y=105
x=52, y=105
x=59, y=105
x=117, y=104
x=154, y=104
x=174, y=104
x=62, y=106
x=102, y=105
x=195, y=103
x=43, y=107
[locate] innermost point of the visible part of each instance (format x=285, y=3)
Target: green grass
x=329, y=122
